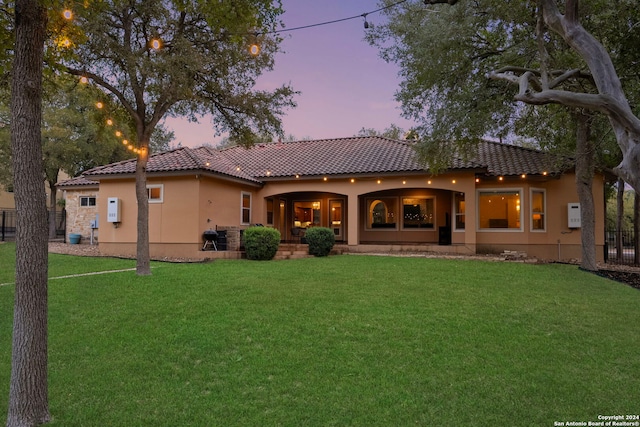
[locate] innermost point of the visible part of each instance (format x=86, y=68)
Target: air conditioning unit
x=114, y=209
x=574, y=218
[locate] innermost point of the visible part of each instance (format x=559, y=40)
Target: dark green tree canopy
x=464, y=62
x=181, y=58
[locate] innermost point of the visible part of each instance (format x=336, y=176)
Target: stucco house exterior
x=371, y=191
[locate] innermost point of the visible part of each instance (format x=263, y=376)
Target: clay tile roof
x=341, y=156
x=357, y=155
x=79, y=181
x=504, y=159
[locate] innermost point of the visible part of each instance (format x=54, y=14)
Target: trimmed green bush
x=321, y=240
x=261, y=243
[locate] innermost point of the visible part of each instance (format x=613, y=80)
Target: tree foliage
x=156, y=59
x=446, y=53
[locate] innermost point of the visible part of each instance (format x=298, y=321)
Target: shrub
x=261, y=243
x=321, y=240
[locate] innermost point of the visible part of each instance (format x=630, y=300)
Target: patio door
x=282, y=220
x=336, y=218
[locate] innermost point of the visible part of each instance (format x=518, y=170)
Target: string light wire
x=335, y=21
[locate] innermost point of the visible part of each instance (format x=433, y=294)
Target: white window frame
x=456, y=213
x=157, y=199
x=243, y=209
x=518, y=190
x=87, y=198
x=544, y=210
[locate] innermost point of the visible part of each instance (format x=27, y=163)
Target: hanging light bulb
x=99, y=105
x=366, y=23
x=67, y=14
x=156, y=44
x=109, y=122
x=254, y=49
x=84, y=80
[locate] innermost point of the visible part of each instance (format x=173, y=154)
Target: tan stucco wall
x=558, y=241
x=191, y=204
x=196, y=203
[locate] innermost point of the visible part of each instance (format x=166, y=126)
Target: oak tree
x=171, y=57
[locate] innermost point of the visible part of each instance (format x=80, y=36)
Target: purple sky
x=344, y=84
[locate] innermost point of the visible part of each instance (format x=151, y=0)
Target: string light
x=156, y=44
x=67, y=14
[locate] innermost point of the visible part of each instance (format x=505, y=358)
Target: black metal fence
x=620, y=247
x=8, y=224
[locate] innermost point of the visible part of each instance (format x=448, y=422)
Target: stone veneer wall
x=79, y=217
x=233, y=236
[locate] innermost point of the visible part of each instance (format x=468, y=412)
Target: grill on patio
x=210, y=238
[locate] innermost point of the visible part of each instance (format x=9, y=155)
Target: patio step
x=292, y=251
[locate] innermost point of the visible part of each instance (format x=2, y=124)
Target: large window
x=499, y=210
x=417, y=212
x=87, y=201
x=381, y=213
x=538, y=210
x=459, y=211
x=246, y=208
x=155, y=193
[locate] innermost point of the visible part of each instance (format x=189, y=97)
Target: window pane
x=499, y=209
x=459, y=206
x=154, y=193
x=417, y=213
x=381, y=213
x=537, y=210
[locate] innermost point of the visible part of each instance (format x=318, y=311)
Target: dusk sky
x=344, y=84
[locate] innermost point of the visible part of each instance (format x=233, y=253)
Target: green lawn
x=339, y=341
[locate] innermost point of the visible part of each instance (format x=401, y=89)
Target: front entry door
x=336, y=218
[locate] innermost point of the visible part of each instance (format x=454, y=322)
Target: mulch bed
x=631, y=278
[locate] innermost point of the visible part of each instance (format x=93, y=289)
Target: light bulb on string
x=109, y=122
x=84, y=80
x=366, y=23
x=254, y=49
x=155, y=44
x=99, y=105
x=118, y=133
x=67, y=14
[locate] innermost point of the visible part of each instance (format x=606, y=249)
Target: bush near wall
x=261, y=243
x=321, y=240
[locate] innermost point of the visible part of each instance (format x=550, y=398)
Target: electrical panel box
x=574, y=217
x=94, y=223
x=114, y=209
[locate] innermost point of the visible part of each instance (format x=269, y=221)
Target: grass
x=345, y=340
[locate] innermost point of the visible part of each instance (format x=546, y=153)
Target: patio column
x=353, y=225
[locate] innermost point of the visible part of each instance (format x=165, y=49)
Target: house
x=371, y=191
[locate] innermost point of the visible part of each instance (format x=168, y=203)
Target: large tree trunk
x=143, y=257
x=584, y=181
x=28, y=394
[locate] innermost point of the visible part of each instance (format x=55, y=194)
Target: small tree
x=159, y=58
